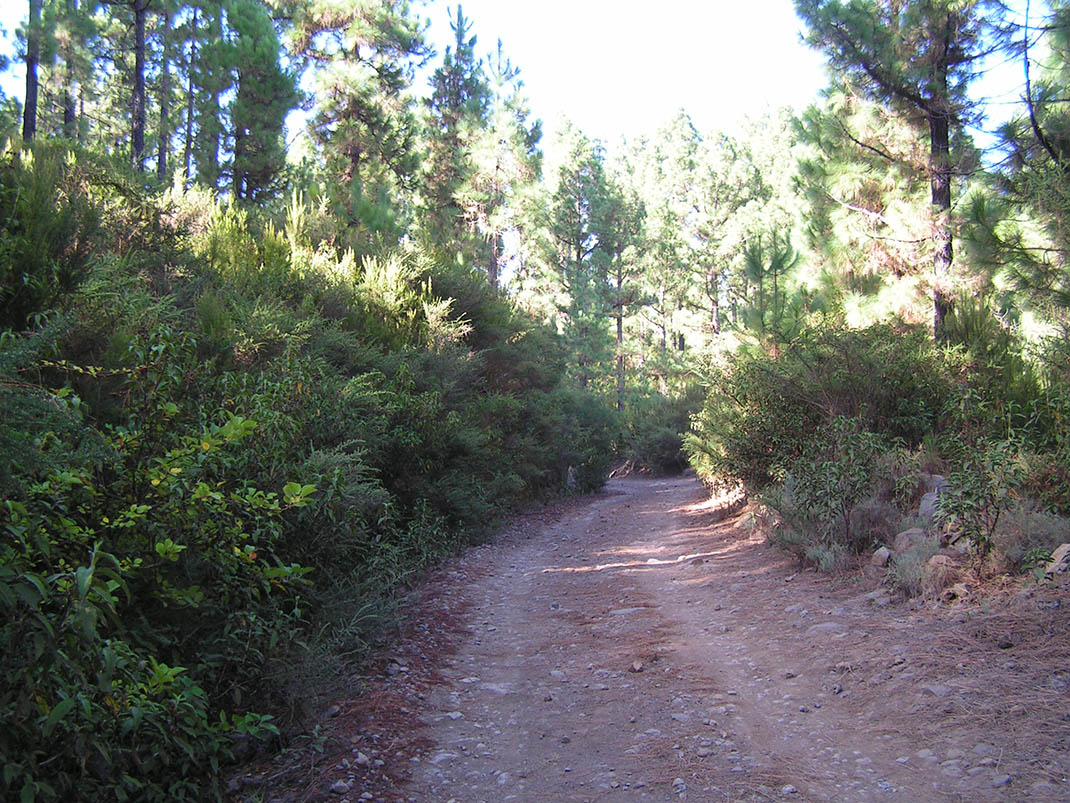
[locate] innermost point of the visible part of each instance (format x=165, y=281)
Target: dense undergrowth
x=839, y=432
x=225, y=445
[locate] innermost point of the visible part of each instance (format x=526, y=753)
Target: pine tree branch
x=1037, y=131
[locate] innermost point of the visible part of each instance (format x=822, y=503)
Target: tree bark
x=164, y=150
x=70, y=116
x=495, y=257
x=190, y=66
x=137, y=100
x=33, y=56
x=943, y=249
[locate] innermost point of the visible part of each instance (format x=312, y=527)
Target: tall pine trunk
x=943, y=249
x=70, y=116
x=137, y=101
x=33, y=56
x=164, y=149
x=190, y=67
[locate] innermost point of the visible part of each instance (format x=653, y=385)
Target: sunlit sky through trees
x=623, y=68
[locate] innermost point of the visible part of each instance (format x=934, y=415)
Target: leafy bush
x=761, y=410
x=827, y=507
x=47, y=224
x=216, y=481
x=979, y=492
x=654, y=431
x=834, y=477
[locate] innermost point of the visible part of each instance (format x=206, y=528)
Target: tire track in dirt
x=638, y=646
x=755, y=681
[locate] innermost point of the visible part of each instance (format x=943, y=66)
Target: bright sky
x=624, y=67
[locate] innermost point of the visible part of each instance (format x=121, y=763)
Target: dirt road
x=634, y=647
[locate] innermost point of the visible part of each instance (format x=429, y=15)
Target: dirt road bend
x=638, y=647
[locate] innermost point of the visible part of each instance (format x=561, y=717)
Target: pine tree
x=32, y=58
x=918, y=57
x=457, y=112
x=265, y=95
x=1019, y=225
x=581, y=243
x=863, y=178
x=213, y=76
x=504, y=164
x=362, y=54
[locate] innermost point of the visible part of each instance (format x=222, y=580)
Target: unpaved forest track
x=635, y=647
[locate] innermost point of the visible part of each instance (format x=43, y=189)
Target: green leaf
x=11, y=772
x=62, y=708
x=84, y=576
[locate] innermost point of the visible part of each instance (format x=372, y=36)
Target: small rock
x=983, y=749
x=341, y=787
x=1000, y=781
x=826, y=627
x=334, y=711
x=1059, y=563
x=557, y=674
x=805, y=709
x=637, y=666
x=788, y=789
x=454, y=715
x=702, y=752
x=940, y=561
x=1044, y=790
x=908, y=539
x=936, y=689
x=927, y=507
x=881, y=557
x=361, y=759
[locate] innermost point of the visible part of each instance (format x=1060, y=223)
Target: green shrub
x=216, y=482
x=906, y=571
x=979, y=492
x=47, y=225
x=654, y=431
x=834, y=477
x=761, y=411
